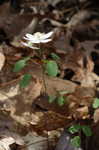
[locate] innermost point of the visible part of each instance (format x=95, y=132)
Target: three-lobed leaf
x=20, y=64
x=25, y=80
x=51, y=68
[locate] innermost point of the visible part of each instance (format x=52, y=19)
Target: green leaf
x=55, y=56
x=20, y=64
x=25, y=80
x=96, y=103
x=76, y=141
x=61, y=100
x=51, y=99
x=74, y=129
x=51, y=68
x=87, y=130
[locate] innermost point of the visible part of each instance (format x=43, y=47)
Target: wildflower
x=38, y=37
x=29, y=44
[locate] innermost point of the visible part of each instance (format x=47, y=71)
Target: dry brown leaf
x=78, y=18
x=81, y=66
x=8, y=138
x=96, y=115
x=90, y=80
x=9, y=21
x=21, y=101
x=79, y=100
x=89, y=46
x=86, y=33
x=17, y=138
x=2, y=60
x=33, y=90
x=84, y=95
x=82, y=112
x=43, y=104
x=51, y=121
x=35, y=142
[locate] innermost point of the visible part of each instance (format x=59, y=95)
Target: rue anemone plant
x=34, y=42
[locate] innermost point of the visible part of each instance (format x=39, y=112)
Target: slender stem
x=44, y=81
x=45, y=88
x=43, y=77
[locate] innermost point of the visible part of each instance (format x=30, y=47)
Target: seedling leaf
x=55, y=56
x=86, y=130
x=61, y=100
x=74, y=129
x=51, y=99
x=76, y=141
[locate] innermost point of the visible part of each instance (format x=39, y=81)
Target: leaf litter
x=75, y=42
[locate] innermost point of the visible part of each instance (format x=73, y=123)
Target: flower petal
x=30, y=36
x=30, y=46
x=25, y=44
x=45, y=36
x=34, y=47
x=45, y=41
x=37, y=38
x=33, y=40
x=40, y=41
x=36, y=41
x=26, y=38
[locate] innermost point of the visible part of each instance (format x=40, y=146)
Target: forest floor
x=33, y=117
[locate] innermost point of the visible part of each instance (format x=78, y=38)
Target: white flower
x=29, y=44
x=38, y=37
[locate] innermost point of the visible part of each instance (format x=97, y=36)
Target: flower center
x=38, y=35
x=29, y=43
